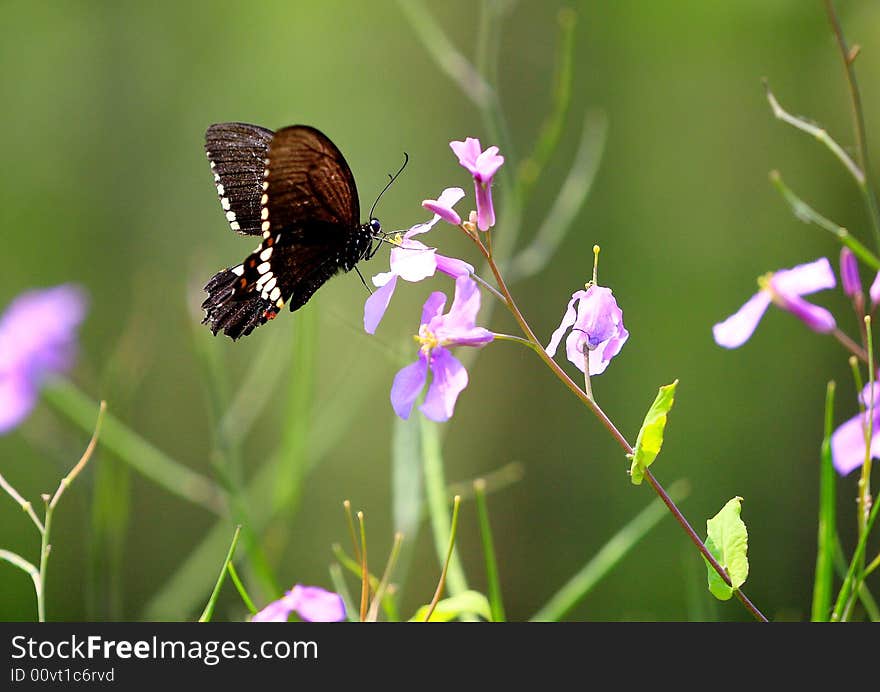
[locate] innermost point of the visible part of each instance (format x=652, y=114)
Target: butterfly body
x=294, y=190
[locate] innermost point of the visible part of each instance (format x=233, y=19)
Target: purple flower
x=443, y=205
x=455, y=328
x=596, y=323
x=848, y=441
x=849, y=273
x=413, y=261
x=37, y=340
x=311, y=603
x=784, y=288
x=482, y=165
x=874, y=291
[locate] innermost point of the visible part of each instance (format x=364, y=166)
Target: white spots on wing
x=234, y=226
x=224, y=202
x=264, y=199
x=265, y=185
x=266, y=254
x=262, y=284
x=230, y=216
x=277, y=239
x=275, y=295
x=279, y=302
x=265, y=228
x=220, y=190
x=216, y=178
x=263, y=268
x=238, y=271
x=266, y=284
x=264, y=212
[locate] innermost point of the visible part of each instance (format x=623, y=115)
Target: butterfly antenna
x=392, y=179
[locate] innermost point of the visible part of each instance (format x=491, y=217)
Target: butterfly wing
x=309, y=222
x=238, y=153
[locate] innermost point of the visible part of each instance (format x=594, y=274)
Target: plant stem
x=858, y=121
x=489, y=287
x=827, y=531
x=21, y=502
x=807, y=214
x=24, y=565
x=857, y=558
x=819, y=133
x=864, y=499
x=45, y=547
x=496, y=603
x=365, y=572
x=680, y=518
x=850, y=345
x=612, y=429
x=208, y=612
x=456, y=503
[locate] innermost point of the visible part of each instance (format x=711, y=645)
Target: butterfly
x=293, y=188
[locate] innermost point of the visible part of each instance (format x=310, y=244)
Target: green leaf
x=208, y=612
x=650, y=438
x=728, y=542
x=823, y=583
x=467, y=602
x=407, y=488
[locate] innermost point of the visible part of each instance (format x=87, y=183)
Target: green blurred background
x=105, y=183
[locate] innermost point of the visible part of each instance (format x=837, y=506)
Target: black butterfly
x=294, y=188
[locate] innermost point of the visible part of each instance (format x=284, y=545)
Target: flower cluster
x=595, y=321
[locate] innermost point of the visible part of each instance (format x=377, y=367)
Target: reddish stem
x=612, y=429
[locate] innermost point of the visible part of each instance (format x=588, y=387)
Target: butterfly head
x=375, y=226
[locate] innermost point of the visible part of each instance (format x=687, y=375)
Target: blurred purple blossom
x=37, y=340
x=311, y=603
x=483, y=165
x=849, y=273
x=784, y=288
x=874, y=291
x=848, y=441
x=596, y=322
x=436, y=333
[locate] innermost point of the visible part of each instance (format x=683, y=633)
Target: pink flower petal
x=467, y=152
x=568, y=319
x=407, y=385
x=18, y=396
x=805, y=278
x=314, y=604
x=453, y=267
x=449, y=380
x=849, y=273
x=874, y=291
x=848, y=445
x=413, y=261
x=736, y=329
x=377, y=304
x=485, y=210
